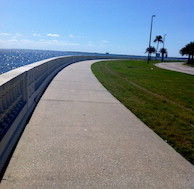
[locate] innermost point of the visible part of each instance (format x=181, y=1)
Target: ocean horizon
x=14, y=58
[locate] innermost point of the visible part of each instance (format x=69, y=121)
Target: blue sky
x=114, y=26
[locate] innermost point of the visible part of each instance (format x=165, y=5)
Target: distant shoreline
x=14, y=58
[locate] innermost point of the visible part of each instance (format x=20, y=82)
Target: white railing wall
x=20, y=90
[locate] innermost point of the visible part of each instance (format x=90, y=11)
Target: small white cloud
x=41, y=43
x=90, y=43
x=53, y=35
x=71, y=35
x=41, y=40
x=5, y=34
x=18, y=35
x=104, y=41
x=36, y=34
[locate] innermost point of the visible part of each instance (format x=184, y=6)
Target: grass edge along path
x=162, y=99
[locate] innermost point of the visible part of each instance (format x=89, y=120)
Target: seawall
x=20, y=91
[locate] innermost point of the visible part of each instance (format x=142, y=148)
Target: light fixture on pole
x=150, y=36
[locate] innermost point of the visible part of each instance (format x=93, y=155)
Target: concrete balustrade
x=20, y=90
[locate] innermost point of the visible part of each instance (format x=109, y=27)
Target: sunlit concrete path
x=176, y=66
x=80, y=136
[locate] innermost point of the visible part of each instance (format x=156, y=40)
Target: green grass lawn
x=162, y=99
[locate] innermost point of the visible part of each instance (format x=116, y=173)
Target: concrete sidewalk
x=80, y=136
x=176, y=66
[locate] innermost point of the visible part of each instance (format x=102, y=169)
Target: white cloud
x=10, y=35
x=36, y=34
x=53, y=35
x=5, y=34
x=71, y=36
x=38, y=44
x=104, y=41
x=45, y=44
x=90, y=43
x=18, y=35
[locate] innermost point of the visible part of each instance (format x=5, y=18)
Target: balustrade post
x=4, y=101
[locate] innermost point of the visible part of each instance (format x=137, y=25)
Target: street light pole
x=164, y=40
x=150, y=37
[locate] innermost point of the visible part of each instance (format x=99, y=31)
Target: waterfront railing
x=20, y=91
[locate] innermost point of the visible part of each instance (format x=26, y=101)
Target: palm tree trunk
x=189, y=59
x=162, y=57
x=157, y=50
x=157, y=47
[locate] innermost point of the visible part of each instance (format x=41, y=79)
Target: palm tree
x=158, y=39
x=150, y=50
x=163, y=51
x=188, y=50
